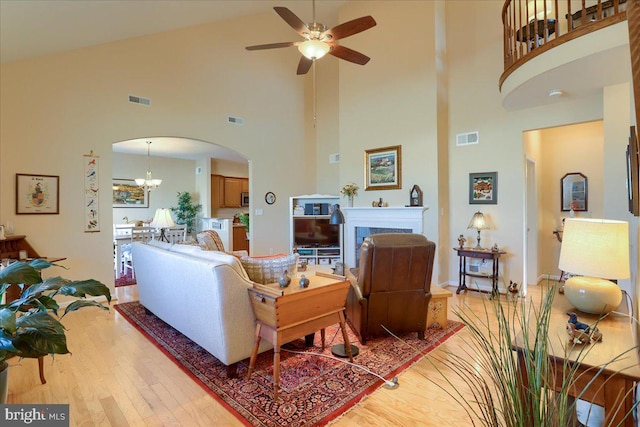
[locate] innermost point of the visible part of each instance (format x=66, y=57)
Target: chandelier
x=148, y=183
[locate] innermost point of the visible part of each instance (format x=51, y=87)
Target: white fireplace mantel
x=390, y=217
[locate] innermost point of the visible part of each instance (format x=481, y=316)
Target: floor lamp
x=337, y=218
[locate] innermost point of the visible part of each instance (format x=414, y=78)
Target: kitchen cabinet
x=226, y=191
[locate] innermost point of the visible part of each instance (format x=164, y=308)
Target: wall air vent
x=139, y=100
x=468, y=138
x=235, y=120
x=334, y=158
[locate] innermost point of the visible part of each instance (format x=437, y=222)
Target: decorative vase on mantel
x=350, y=201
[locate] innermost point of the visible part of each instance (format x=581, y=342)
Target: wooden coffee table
x=284, y=314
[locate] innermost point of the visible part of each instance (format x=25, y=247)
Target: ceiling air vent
x=235, y=120
x=139, y=100
x=469, y=138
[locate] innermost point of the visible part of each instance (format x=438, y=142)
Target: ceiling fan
x=318, y=40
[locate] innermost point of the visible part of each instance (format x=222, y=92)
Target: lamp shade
x=596, y=250
x=336, y=216
x=478, y=222
x=313, y=49
x=162, y=219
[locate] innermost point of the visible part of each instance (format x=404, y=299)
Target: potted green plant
x=243, y=217
x=186, y=211
x=27, y=326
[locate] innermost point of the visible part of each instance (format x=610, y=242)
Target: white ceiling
x=30, y=28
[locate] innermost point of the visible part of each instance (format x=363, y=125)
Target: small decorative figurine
x=461, y=241
x=513, y=290
x=304, y=282
x=284, y=280
x=581, y=333
x=495, y=248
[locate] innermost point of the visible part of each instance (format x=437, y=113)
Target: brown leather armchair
x=392, y=286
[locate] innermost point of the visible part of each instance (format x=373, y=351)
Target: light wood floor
x=116, y=377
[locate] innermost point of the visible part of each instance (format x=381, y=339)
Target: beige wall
x=567, y=149
x=422, y=86
x=177, y=176
x=56, y=108
x=475, y=104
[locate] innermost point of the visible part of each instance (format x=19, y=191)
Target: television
x=315, y=233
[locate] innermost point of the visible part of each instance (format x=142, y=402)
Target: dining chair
x=177, y=233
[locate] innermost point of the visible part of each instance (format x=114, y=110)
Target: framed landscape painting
x=483, y=188
x=127, y=194
x=383, y=168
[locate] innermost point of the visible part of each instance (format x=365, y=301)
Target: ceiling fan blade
x=270, y=46
x=291, y=19
x=350, y=28
x=304, y=65
x=348, y=54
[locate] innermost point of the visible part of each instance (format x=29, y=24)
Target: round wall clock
x=270, y=198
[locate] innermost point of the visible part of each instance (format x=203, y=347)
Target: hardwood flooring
x=116, y=377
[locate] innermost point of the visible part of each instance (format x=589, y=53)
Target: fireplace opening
x=362, y=232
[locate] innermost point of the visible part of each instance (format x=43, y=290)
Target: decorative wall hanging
x=127, y=194
x=91, y=193
x=383, y=168
x=37, y=194
x=483, y=188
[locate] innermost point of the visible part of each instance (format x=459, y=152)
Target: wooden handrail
x=532, y=27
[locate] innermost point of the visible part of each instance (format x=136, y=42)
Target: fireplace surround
x=363, y=221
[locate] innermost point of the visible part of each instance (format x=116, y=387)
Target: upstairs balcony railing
x=532, y=27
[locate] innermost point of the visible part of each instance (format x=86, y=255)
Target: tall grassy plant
x=489, y=367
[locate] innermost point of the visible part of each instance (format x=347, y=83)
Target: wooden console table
x=598, y=378
x=463, y=253
x=284, y=314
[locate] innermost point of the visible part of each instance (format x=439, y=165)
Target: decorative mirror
x=574, y=192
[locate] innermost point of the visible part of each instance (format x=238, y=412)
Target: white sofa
x=202, y=294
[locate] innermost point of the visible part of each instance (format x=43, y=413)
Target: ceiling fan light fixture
x=313, y=49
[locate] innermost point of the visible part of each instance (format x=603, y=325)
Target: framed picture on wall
x=37, y=194
x=383, y=168
x=483, y=188
x=127, y=194
x=633, y=170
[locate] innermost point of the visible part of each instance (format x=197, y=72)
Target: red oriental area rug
x=314, y=390
x=125, y=279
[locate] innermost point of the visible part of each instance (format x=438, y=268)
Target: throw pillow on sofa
x=265, y=270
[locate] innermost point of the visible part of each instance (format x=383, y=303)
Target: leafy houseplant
x=243, y=217
x=186, y=211
x=27, y=328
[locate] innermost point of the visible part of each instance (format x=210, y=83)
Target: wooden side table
x=463, y=253
x=438, y=307
x=286, y=314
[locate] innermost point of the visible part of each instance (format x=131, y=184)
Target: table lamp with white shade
x=162, y=220
x=596, y=251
